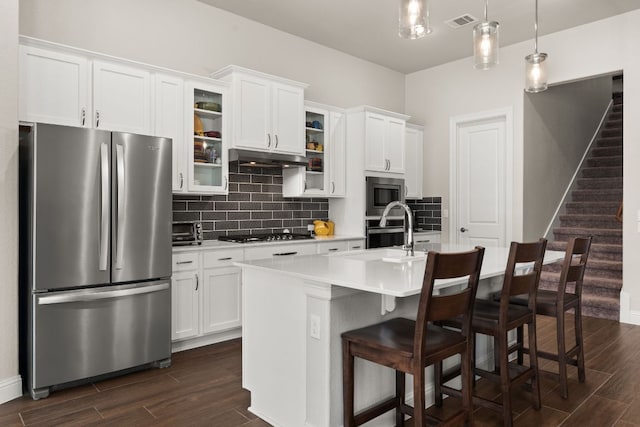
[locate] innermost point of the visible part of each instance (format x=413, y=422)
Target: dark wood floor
x=203, y=387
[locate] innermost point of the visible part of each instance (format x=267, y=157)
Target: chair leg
x=437, y=383
x=533, y=363
x=467, y=376
x=419, y=419
x=579, y=343
x=562, y=356
x=347, y=385
x=400, y=393
x=505, y=382
x=520, y=341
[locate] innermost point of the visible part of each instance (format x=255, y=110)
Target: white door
x=481, y=193
x=394, y=145
x=185, y=313
x=375, y=130
x=222, y=299
x=122, y=98
x=288, y=119
x=54, y=88
x=169, y=118
x=251, y=108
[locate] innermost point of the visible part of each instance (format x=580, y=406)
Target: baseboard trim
x=10, y=389
x=214, y=338
x=626, y=314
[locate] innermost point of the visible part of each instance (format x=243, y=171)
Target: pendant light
x=485, y=43
x=413, y=22
x=536, y=67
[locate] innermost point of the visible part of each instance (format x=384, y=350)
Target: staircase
x=592, y=212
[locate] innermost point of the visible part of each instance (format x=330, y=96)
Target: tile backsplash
x=428, y=212
x=254, y=204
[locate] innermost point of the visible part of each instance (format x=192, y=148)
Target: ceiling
x=368, y=28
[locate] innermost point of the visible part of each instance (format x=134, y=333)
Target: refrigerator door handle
x=120, y=206
x=100, y=295
x=104, y=206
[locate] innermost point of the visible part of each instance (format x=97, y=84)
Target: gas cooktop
x=266, y=237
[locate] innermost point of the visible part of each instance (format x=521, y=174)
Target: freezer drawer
x=81, y=334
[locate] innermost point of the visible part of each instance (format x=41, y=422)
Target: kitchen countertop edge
x=218, y=244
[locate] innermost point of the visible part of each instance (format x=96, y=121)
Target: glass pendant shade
x=413, y=22
x=536, y=72
x=485, y=45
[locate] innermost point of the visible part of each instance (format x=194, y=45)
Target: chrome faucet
x=408, y=225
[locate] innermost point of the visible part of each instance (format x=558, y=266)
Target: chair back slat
x=447, y=266
x=574, y=266
x=527, y=283
x=449, y=306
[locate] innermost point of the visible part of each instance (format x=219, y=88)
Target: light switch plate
x=445, y=213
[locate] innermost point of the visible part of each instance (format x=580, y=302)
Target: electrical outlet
x=314, y=326
x=445, y=213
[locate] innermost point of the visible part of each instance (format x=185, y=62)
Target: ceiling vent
x=461, y=21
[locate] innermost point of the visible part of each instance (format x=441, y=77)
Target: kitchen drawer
x=422, y=237
x=356, y=245
x=185, y=261
x=223, y=258
x=258, y=252
x=329, y=247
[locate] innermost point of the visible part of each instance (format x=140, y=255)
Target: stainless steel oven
x=381, y=191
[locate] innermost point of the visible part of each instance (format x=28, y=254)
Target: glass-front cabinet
x=316, y=122
x=208, y=166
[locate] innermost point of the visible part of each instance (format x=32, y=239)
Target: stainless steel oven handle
x=104, y=206
x=386, y=230
x=120, y=206
x=100, y=295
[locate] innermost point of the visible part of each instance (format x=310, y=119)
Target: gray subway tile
x=238, y=215
x=227, y=206
x=214, y=215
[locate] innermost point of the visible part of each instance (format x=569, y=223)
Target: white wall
x=434, y=95
x=190, y=36
x=10, y=385
x=558, y=126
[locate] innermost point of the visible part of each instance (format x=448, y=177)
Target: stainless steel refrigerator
x=95, y=253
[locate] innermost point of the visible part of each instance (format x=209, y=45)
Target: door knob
x=462, y=229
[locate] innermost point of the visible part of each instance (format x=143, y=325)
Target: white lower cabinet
x=185, y=306
x=221, y=299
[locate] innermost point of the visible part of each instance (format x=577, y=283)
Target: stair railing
x=555, y=221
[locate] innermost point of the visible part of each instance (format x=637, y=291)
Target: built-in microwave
x=382, y=191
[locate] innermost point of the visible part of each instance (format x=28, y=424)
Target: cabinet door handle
x=83, y=115
x=181, y=180
x=184, y=262
x=333, y=187
x=197, y=282
x=225, y=258
x=406, y=190
x=268, y=140
x=97, y=119
x=356, y=247
x=333, y=249
x=285, y=253
x=423, y=241
x=226, y=182
x=276, y=136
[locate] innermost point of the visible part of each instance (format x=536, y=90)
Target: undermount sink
x=383, y=254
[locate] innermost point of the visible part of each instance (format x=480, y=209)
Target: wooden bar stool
x=496, y=319
x=557, y=303
x=409, y=346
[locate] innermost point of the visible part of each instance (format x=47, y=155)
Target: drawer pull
x=225, y=259
x=184, y=262
x=356, y=247
x=285, y=253
x=333, y=249
x=423, y=241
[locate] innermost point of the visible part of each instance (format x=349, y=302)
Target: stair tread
x=588, y=282
x=587, y=231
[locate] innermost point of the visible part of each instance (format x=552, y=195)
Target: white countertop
x=366, y=271
x=218, y=244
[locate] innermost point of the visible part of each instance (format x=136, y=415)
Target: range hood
x=265, y=159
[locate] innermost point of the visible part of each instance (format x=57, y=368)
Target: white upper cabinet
x=121, y=98
x=384, y=147
x=60, y=87
x=324, y=176
x=169, y=123
x=207, y=162
x=268, y=111
x=413, y=161
x=54, y=87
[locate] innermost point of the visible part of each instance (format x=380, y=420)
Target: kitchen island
x=294, y=310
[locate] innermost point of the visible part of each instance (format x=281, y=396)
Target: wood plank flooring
x=203, y=388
